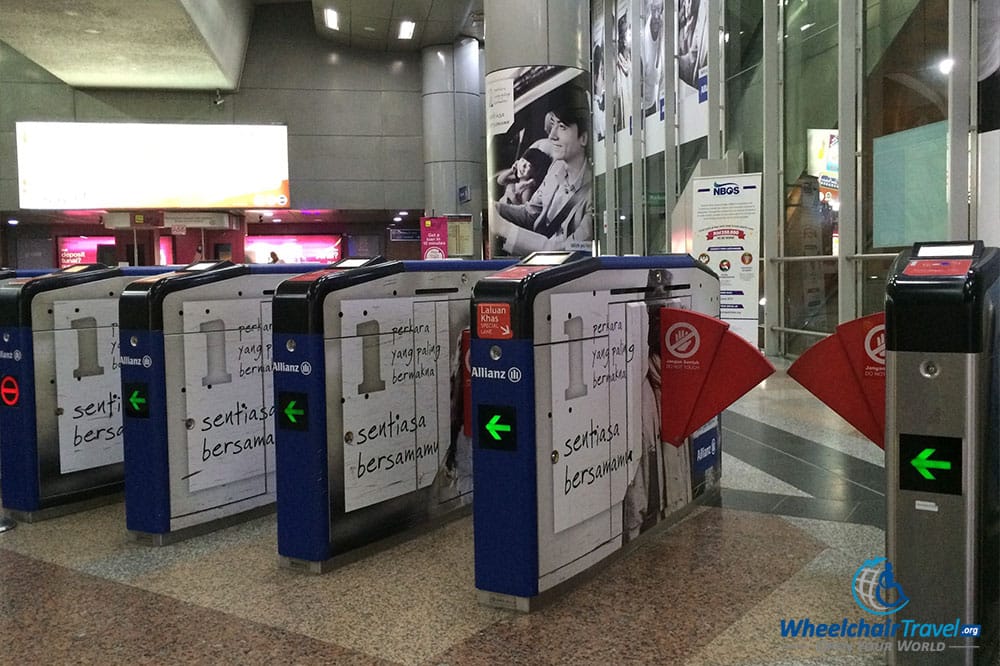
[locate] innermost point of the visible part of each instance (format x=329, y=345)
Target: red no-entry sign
x=10, y=392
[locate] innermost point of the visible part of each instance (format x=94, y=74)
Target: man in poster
x=559, y=214
x=652, y=55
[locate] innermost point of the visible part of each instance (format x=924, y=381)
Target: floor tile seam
x=802, y=460
x=803, y=482
x=757, y=422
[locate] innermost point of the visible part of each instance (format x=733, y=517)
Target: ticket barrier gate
x=60, y=396
x=369, y=390
x=595, y=398
x=942, y=450
x=197, y=398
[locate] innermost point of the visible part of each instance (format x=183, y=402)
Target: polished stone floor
x=801, y=508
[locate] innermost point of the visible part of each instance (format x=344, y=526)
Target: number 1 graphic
x=86, y=347
x=215, y=353
x=371, y=357
x=574, y=329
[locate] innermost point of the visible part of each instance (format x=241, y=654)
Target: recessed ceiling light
x=404, y=213
x=331, y=18
x=397, y=219
x=276, y=219
x=406, y=29
x=12, y=222
x=92, y=31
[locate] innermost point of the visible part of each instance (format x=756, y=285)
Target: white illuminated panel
x=141, y=165
x=946, y=250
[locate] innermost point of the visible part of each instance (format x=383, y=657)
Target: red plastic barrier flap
x=738, y=367
x=864, y=341
x=705, y=367
x=825, y=371
x=688, y=341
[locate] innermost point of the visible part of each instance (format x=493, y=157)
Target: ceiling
x=374, y=24
x=199, y=44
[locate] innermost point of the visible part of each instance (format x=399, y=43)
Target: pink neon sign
x=294, y=249
x=81, y=249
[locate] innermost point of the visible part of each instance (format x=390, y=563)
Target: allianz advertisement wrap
x=886, y=618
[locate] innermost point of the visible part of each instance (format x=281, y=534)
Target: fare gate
x=369, y=386
x=943, y=452
x=922, y=381
x=596, y=385
x=60, y=395
x=197, y=398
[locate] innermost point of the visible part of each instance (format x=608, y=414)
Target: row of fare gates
x=578, y=396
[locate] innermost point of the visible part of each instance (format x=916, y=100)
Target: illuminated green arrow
x=493, y=427
x=922, y=463
x=136, y=401
x=291, y=412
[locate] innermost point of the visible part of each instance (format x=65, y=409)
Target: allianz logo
x=145, y=362
x=513, y=375
x=304, y=368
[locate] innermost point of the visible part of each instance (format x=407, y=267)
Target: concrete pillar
x=453, y=129
x=538, y=66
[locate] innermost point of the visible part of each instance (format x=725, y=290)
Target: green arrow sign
x=136, y=401
x=494, y=427
x=291, y=412
x=923, y=463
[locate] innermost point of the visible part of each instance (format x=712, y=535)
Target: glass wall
x=811, y=166
x=904, y=133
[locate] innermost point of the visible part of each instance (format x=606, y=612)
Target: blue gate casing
x=513, y=521
x=314, y=524
x=32, y=479
x=150, y=508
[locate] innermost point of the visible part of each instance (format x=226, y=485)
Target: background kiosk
x=942, y=444
x=197, y=398
x=568, y=461
x=370, y=437
x=60, y=402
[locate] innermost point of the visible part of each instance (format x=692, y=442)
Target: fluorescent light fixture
x=397, y=219
x=331, y=18
x=404, y=213
x=946, y=65
x=406, y=29
x=12, y=222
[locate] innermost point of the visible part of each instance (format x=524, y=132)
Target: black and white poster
x=692, y=69
x=539, y=154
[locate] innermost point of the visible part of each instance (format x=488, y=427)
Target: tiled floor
x=801, y=508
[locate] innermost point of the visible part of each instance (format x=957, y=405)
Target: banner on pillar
x=601, y=105
x=538, y=151
x=692, y=69
x=726, y=237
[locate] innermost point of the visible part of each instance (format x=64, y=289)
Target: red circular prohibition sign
x=9, y=391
